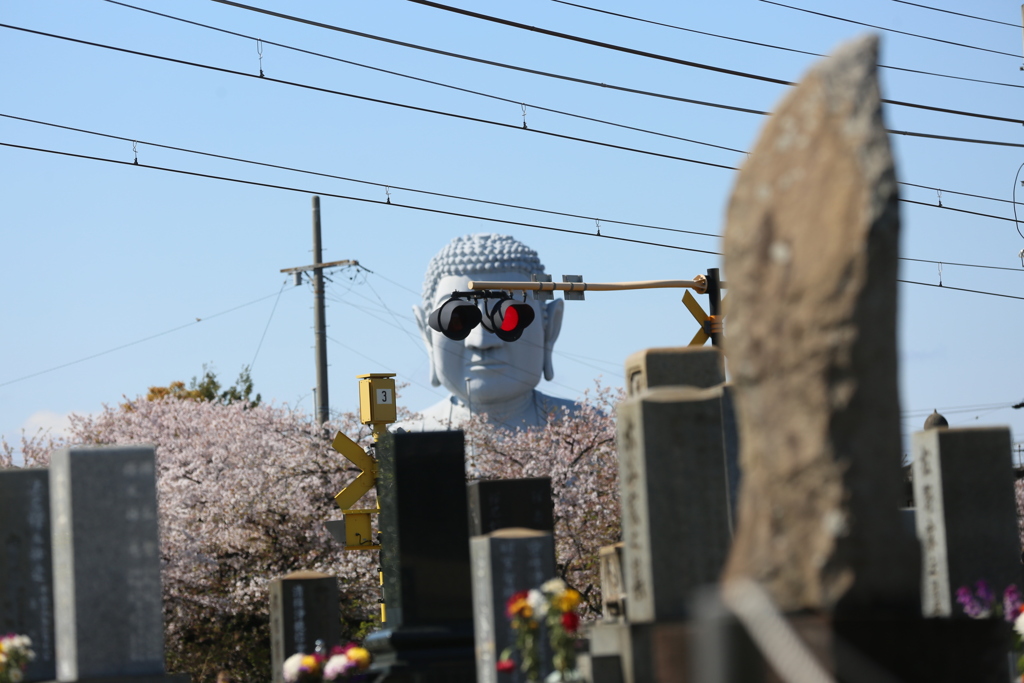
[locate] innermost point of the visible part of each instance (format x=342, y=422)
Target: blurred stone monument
x=106, y=565
x=26, y=586
x=483, y=373
x=304, y=609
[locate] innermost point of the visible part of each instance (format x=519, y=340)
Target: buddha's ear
x=552, y=326
x=426, y=335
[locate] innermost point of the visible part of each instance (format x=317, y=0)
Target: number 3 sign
x=384, y=396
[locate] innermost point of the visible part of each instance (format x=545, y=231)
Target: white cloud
x=46, y=420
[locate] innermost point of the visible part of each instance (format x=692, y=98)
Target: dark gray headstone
x=303, y=609
x=424, y=528
x=424, y=532
x=26, y=584
x=503, y=503
x=966, y=513
x=505, y=562
x=106, y=563
x=675, y=508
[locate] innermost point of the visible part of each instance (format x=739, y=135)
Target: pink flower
x=506, y=666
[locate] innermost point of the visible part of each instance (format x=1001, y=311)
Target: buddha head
x=482, y=370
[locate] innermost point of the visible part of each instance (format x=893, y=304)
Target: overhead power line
x=959, y=14
x=356, y=180
x=355, y=199
x=557, y=111
x=674, y=60
x=780, y=47
x=891, y=30
x=427, y=80
x=484, y=201
x=365, y=98
x=456, y=214
x=139, y=341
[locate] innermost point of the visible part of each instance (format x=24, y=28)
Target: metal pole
x=323, y=412
x=714, y=303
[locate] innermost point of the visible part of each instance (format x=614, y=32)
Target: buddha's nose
x=480, y=338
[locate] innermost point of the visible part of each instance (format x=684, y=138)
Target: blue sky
x=95, y=256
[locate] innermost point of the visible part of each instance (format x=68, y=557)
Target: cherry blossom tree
x=244, y=491
x=578, y=452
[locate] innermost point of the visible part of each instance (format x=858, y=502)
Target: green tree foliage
x=209, y=389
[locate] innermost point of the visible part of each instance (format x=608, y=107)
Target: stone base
x=908, y=650
x=926, y=650
x=422, y=655
x=151, y=678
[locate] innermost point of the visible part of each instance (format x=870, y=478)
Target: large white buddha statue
x=483, y=373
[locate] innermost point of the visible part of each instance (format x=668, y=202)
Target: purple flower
x=984, y=593
x=973, y=607
x=1011, y=603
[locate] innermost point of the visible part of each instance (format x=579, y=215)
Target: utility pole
x=323, y=412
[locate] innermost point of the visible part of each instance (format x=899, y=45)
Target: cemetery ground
x=741, y=531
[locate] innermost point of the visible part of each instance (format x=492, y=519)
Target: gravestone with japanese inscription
x=304, y=608
x=505, y=562
x=26, y=584
x=966, y=513
x=424, y=536
x=106, y=563
x=674, y=492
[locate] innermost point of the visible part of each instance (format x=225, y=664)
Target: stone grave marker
x=966, y=514
x=613, y=586
x=424, y=531
x=675, y=520
x=303, y=609
x=26, y=583
x=811, y=254
x=106, y=563
x=505, y=562
x=503, y=503
x=683, y=366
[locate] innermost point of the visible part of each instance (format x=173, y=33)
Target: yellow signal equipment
x=377, y=399
x=359, y=530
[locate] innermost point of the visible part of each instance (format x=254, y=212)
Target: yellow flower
x=567, y=601
x=359, y=655
x=309, y=663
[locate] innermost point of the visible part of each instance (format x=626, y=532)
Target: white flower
x=1018, y=625
x=537, y=602
x=336, y=666
x=553, y=586
x=291, y=667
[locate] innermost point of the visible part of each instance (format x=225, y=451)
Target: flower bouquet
x=556, y=604
x=981, y=603
x=341, y=664
x=15, y=654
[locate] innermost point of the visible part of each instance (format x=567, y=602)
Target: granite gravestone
x=424, y=532
x=966, y=513
x=304, y=608
x=811, y=246
x=683, y=366
x=505, y=562
x=675, y=521
x=26, y=584
x=502, y=503
x=106, y=563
